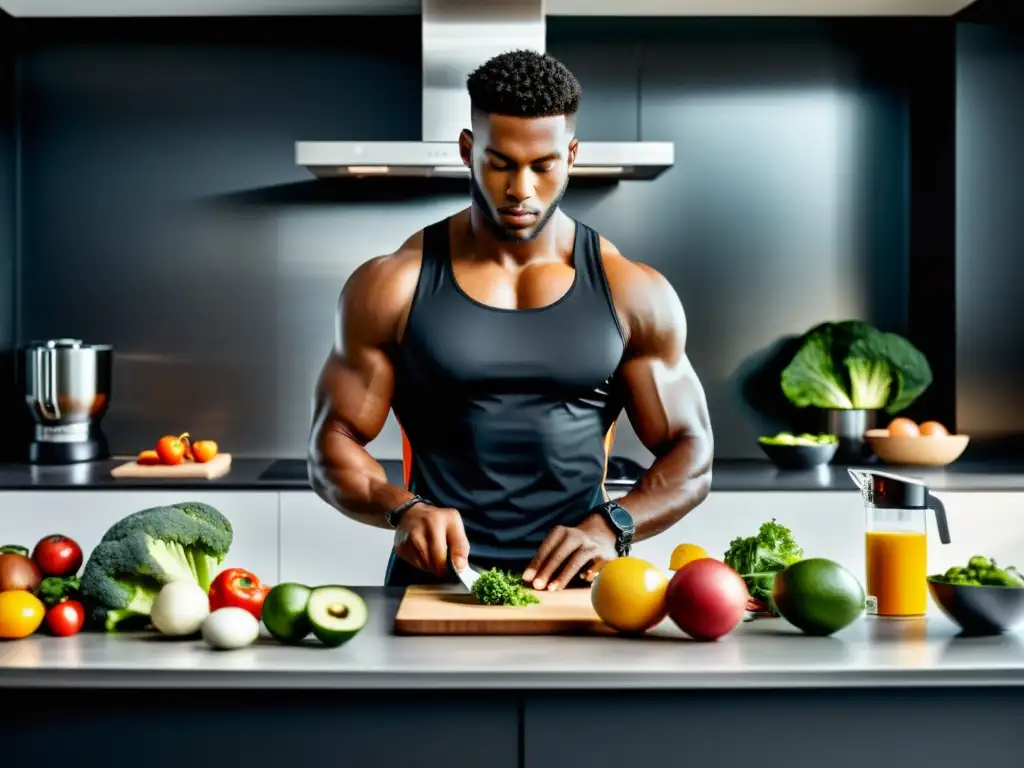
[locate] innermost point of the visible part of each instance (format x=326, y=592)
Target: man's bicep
x=664, y=401
x=354, y=392
x=664, y=398
x=356, y=384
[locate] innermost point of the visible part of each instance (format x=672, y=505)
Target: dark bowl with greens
x=805, y=451
x=982, y=597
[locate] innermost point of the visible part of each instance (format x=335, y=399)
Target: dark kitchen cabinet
x=840, y=728
x=280, y=728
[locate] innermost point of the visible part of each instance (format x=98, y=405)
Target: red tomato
x=58, y=555
x=171, y=449
x=238, y=588
x=65, y=618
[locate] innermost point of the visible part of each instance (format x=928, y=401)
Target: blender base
x=93, y=449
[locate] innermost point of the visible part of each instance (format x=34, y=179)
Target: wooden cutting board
x=450, y=610
x=215, y=467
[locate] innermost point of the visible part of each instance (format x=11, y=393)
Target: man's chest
x=565, y=347
x=503, y=287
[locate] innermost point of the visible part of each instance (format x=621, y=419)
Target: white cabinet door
x=27, y=516
x=826, y=524
x=320, y=545
x=980, y=523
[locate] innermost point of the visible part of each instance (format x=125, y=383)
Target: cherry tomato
x=149, y=457
x=238, y=588
x=171, y=449
x=204, y=450
x=58, y=555
x=65, y=618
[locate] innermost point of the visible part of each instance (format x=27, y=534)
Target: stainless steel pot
x=67, y=392
x=849, y=426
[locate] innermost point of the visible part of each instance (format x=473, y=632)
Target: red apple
x=706, y=599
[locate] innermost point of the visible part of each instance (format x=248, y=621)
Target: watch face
x=621, y=518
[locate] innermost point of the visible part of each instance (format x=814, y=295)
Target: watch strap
x=623, y=533
x=394, y=516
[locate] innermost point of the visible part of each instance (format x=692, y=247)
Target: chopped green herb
x=495, y=587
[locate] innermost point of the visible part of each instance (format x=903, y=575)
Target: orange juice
x=897, y=572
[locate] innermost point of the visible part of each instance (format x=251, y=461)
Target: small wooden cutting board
x=215, y=467
x=450, y=610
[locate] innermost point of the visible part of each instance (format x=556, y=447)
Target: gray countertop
x=767, y=653
x=289, y=474
x=245, y=474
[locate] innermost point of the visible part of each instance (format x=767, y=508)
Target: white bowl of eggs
x=908, y=443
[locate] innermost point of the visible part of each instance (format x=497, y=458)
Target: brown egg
x=933, y=429
x=903, y=427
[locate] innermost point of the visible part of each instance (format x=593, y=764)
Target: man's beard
x=494, y=224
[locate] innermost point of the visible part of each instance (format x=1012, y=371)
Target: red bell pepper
x=238, y=588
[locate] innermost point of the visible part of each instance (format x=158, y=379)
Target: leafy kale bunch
x=758, y=558
x=851, y=364
x=148, y=549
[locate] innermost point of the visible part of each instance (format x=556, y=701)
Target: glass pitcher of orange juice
x=896, y=545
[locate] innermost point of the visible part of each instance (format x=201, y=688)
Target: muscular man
x=508, y=339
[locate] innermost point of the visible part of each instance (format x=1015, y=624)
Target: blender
x=896, y=541
x=67, y=392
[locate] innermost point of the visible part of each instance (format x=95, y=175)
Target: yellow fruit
x=21, y=613
x=629, y=595
x=686, y=553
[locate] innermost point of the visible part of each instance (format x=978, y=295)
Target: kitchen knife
x=467, y=576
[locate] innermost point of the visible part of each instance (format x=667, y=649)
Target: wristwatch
x=393, y=516
x=621, y=522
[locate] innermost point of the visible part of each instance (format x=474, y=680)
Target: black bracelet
x=394, y=516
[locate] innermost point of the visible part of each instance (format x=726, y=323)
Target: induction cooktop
x=286, y=470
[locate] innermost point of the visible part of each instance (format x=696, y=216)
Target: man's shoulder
x=634, y=285
x=378, y=294
x=391, y=271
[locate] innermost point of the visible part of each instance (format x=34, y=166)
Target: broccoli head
x=147, y=549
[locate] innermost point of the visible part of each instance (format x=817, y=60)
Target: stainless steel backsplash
x=163, y=212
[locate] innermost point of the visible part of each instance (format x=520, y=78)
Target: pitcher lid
x=890, y=491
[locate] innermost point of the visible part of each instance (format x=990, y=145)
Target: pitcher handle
x=935, y=504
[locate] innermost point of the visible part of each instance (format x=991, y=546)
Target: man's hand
x=426, y=534
x=589, y=545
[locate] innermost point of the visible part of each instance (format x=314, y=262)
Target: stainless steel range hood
x=459, y=36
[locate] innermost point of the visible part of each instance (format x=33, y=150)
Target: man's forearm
x=353, y=482
x=673, y=486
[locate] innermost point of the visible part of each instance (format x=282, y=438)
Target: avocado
x=818, y=596
x=284, y=612
x=336, y=614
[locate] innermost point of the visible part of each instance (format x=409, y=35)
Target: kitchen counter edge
x=761, y=654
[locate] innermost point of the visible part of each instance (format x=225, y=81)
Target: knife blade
x=467, y=576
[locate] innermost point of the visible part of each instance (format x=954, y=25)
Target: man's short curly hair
x=524, y=83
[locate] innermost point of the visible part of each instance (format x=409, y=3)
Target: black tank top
x=509, y=413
